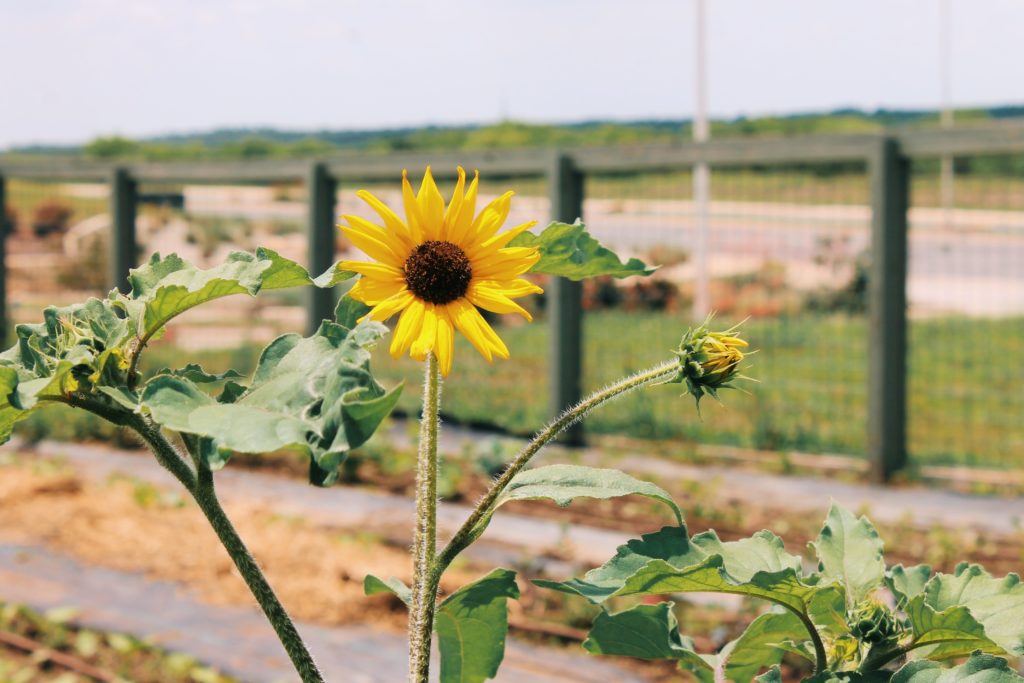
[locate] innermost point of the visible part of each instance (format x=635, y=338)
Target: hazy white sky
x=73, y=69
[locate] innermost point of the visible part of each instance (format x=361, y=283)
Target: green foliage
x=569, y=251
x=836, y=616
x=978, y=669
x=471, y=624
x=374, y=586
x=315, y=395
x=850, y=552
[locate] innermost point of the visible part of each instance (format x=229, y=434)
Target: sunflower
x=438, y=267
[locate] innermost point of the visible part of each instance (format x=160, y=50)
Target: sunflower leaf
x=375, y=586
x=850, y=552
x=979, y=668
x=995, y=604
x=570, y=251
x=472, y=624
x=313, y=395
x=166, y=287
x=563, y=483
x=953, y=632
x=75, y=348
x=645, y=632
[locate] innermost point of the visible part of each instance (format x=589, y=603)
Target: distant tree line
x=264, y=143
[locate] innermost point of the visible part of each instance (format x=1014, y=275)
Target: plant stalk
x=200, y=485
x=425, y=579
x=474, y=524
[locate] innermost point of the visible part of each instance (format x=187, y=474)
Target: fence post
x=123, y=248
x=322, y=189
x=5, y=230
x=887, y=311
x=565, y=300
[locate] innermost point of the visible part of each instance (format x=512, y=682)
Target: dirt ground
x=317, y=573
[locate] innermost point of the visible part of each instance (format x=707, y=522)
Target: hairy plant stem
x=425, y=579
x=200, y=484
x=477, y=521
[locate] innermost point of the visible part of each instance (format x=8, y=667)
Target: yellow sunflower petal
x=374, y=244
x=391, y=220
x=393, y=304
x=408, y=328
x=501, y=240
x=491, y=218
x=514, y=289
x=424, y=342
x=471, y=324
x=505, y=264
x=431, y=205
x=372, y=292
x=458, y=227
x=494, y=300
x=458, y=197
x=444, y=349
x=412, y=210
x=377, y=271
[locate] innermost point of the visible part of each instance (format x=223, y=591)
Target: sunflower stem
x=425, y=583
x=477, y=521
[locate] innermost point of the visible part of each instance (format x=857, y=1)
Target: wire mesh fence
x=966, y=297
x=788, y=253
x=785, y=252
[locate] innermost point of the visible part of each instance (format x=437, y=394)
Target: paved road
x=975, y=267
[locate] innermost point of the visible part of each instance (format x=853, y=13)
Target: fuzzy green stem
x=425, y=579
x=820, y=658
x=474, y=525
x=302, y=660
x=200, y=485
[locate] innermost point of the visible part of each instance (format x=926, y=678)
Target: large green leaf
x=953, y=632
x=564, y=483
x=908, y=582
x=980, y=668
x=850, y=552
x=849, y=677
x=471, y=627
x=996, y=604
x=314, y=395
x=760, y=645
x=670, y=544
x=168, y=286
x=569, y=251
x=667, y=562
x=644, y=632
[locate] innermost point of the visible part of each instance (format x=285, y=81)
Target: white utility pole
x=701, y=176
x=946, y=120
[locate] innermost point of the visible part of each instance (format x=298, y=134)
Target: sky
x=75, y=69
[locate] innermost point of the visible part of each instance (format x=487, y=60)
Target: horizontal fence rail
x=885, y=157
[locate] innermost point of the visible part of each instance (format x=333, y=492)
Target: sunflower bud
x=709, y=361
x=874, y=624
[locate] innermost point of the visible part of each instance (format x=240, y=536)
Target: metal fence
x=838, y=368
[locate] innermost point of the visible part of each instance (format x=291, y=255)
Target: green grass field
x=810, y=394
x=965, y=387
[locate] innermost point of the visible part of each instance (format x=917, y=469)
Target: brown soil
x=317, y=573
x=706, y=508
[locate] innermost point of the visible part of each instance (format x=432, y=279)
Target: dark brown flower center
x=438, y=272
